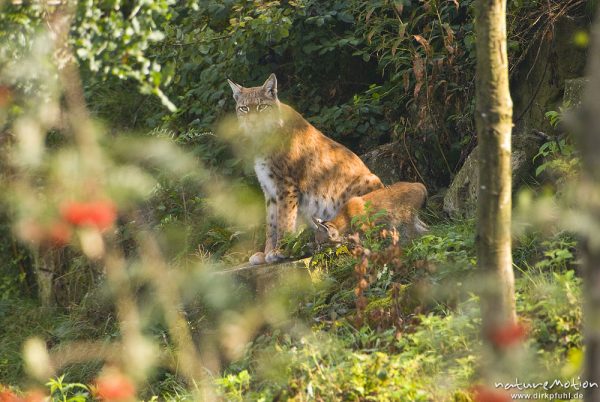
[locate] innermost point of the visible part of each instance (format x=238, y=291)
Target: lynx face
x=257, y=108
x=326, y=232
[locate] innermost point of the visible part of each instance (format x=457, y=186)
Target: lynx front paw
x=257, y=258
x=274, y=256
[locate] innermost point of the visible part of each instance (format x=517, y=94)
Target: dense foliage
x=386, y=70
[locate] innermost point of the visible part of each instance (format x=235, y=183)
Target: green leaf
x=541, y=168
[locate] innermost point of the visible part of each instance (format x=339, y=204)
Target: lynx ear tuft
x=237, y=89
x=270, y=86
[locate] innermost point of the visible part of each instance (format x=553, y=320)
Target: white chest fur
x=311, y=205
x=265, y=177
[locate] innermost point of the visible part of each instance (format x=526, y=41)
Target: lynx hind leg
x=420, y=226
x=411, y=231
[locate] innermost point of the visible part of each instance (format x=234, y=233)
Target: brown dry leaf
x=418, y=86
x=423, y=42
x=395, y=46
x=430, y=87
x=423, y=117
x=418, y=67
x=406, y=81
x=369, y=13
x=419, y=71
x=370, y=36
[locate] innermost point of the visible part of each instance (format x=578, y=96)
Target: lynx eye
x=243, y=109
x=263, y=107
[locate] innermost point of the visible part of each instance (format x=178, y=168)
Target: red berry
x=114, y=386
x=99, y=214
x=9, y=396
x=508, y=335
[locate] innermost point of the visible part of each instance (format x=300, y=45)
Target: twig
x=547, y=137
x=541, y=134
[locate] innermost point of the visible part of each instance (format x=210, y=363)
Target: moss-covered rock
x=574, y=91
x=461, y=198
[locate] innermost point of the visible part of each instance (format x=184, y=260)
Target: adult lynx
x=299, y=168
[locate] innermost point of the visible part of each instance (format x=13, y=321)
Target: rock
x=460, y=200
x=461, y=197
x=391, y=163
x=574, y=91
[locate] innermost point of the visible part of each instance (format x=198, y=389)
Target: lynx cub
x=299, y=168
x=401, y=201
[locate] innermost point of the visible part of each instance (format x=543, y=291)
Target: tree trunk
x=45, y=267
x=493, y=117
x=589, y=195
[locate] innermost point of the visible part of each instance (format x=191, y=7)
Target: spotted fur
x=400, y=201
x=300, y=170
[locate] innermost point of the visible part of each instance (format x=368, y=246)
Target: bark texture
x=493, y=117
x=589, y=194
